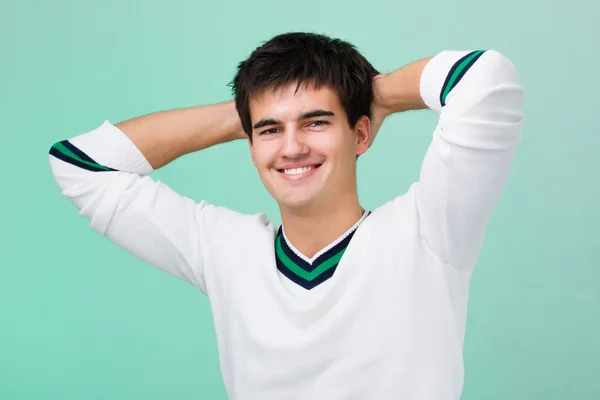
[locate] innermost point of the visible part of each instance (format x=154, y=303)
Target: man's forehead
x=287, y=102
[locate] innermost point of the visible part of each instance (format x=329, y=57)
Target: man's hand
x=398, y=91
x=380, y=109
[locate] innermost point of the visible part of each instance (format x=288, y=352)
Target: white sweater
x=380, y=313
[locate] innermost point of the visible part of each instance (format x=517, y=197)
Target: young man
x=338, y=302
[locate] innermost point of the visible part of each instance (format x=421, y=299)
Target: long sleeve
x=103, y=173
x=478, y=99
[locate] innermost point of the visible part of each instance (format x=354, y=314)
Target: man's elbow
x=499, y=69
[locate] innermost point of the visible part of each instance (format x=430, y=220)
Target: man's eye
x=270, y=131
x=319, y=123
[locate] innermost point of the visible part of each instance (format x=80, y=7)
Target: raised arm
x=465, y=169
x=103, y=173
x=164, y=136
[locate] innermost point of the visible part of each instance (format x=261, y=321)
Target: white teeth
x=296, y=171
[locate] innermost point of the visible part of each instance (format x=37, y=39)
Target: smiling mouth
x=296, y=173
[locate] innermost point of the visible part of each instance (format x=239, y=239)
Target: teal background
x=82, y=319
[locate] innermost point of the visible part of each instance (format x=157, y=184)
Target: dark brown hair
x=305, y=58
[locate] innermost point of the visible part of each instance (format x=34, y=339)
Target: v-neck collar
x=310, y=272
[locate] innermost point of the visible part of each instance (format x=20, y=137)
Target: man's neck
x=312, y=230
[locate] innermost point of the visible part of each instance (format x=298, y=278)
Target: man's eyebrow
x=316, y=113
x=265, y=122
x=310, y=114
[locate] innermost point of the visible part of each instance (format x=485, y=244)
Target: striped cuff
x=105, y=148
x=442, y=73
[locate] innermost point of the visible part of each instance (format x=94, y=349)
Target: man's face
x=302, y=146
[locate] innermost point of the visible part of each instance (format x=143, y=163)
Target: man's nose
x=294, y=143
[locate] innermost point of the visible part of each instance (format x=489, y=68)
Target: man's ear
x=362, y=131
x=251, y=150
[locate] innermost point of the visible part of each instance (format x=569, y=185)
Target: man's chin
x=296, y=203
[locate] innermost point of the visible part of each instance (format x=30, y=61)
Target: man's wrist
x=400, y=90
